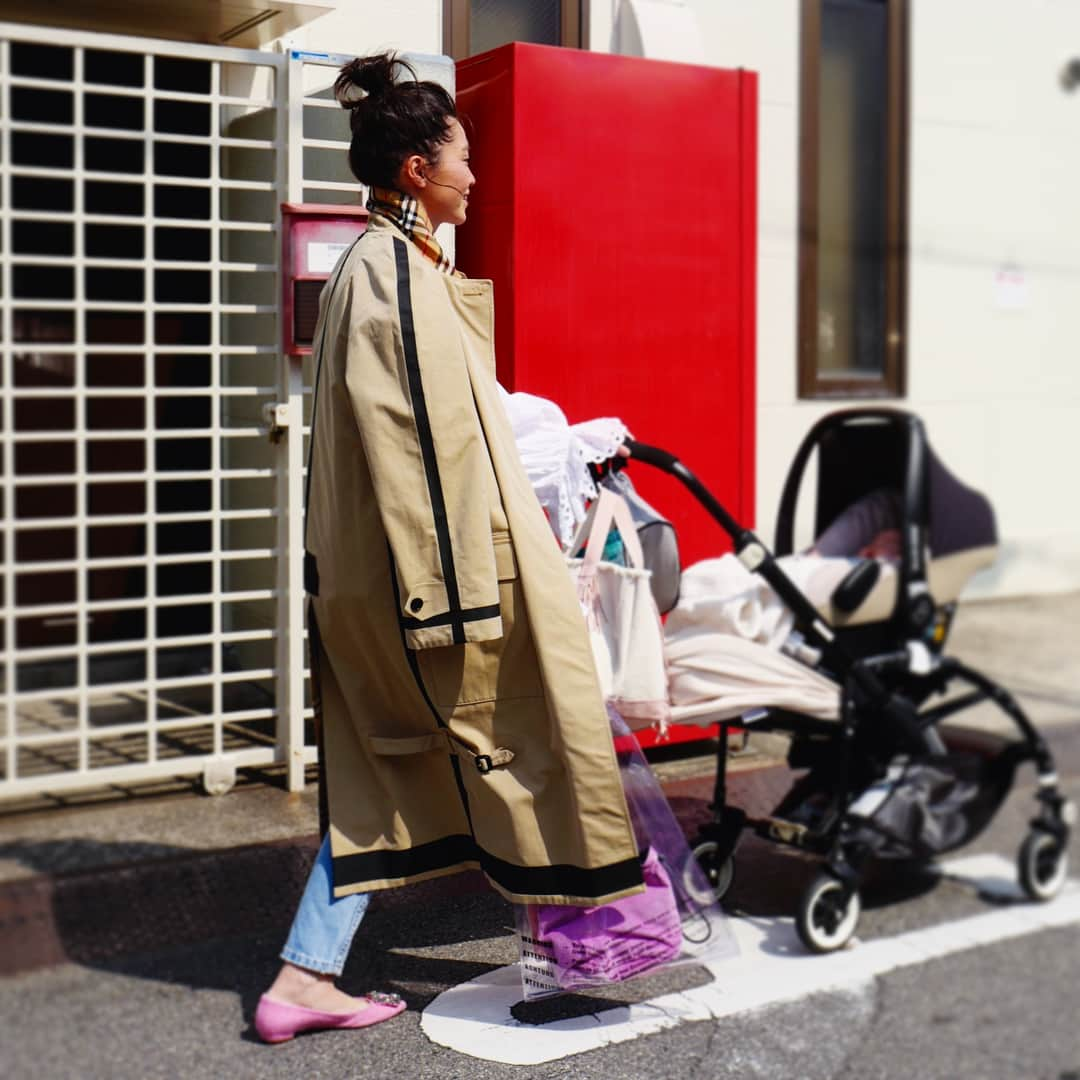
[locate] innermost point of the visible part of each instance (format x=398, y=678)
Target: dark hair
x=391, y=120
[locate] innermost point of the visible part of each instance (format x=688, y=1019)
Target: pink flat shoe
x=277, y=1022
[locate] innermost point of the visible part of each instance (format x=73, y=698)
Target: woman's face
x=445, y=194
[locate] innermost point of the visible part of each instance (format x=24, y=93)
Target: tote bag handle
x=606, y=510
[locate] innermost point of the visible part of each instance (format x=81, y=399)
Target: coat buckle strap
x=499, y=756
x=486, y=762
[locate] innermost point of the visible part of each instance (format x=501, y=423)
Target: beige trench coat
x=461, y=718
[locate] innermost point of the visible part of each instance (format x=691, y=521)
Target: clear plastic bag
x=676, y=920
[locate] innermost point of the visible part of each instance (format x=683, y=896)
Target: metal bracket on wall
x=276, y=418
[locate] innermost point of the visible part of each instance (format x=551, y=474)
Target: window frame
x=892, y=382
x=456, y=17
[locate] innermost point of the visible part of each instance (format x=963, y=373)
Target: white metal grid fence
x=151, y=622
x=151, y=617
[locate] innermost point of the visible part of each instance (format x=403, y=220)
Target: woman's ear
x=412, y=172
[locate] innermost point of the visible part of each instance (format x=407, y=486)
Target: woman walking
x=462, y=723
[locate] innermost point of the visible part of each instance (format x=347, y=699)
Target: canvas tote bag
x=624, y=626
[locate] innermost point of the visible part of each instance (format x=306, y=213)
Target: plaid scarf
x=410, y=217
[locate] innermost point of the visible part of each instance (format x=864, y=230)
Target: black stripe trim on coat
x=449, y=851
x=492, y=611
x=390, y=865
x=423, y=431
x=563, y=879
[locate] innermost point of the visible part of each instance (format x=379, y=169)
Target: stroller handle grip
x=669, y=463
x=652, y=455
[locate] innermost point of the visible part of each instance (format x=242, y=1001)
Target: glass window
x=474, y=26
x=852, y=174
x=495, y=22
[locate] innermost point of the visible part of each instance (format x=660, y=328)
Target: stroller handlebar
x=652, y=455
x=669, y=463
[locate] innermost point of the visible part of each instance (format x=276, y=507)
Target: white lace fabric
x=557, y=455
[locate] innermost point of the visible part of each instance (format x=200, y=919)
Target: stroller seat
x=946, y=577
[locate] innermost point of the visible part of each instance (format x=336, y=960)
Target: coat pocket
x=502, y=668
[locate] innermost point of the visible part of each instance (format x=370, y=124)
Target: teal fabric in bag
x=659, y=544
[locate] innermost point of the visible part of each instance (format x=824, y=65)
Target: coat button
x=416, y=604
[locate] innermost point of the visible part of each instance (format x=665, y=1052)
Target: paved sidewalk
x=109, y=873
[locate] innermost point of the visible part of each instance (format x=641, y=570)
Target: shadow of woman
x=216, y=920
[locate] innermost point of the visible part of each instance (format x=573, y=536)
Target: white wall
x=995, y=176
x=365, y=26
x=994, y=184
x=354, y=27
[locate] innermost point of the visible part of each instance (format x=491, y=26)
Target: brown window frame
x=893, y=380
x=456, y=27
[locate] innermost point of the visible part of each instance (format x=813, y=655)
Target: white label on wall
x=321, y=258
x=1010, y=288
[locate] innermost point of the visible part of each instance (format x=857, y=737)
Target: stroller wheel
x=719, y=873
x=1043, y=863
x=828, y=914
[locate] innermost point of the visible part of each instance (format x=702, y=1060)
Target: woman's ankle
x=294, y=982
x=311, y=990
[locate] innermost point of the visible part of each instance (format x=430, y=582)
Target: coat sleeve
x=410, y=392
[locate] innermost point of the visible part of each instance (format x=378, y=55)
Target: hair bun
x=373, y=76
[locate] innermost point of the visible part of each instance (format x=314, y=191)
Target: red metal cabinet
x=615, y=210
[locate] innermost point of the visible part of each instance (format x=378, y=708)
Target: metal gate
x=152, y=621
x=153, y=434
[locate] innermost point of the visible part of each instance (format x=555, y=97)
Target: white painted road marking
x=772, y=968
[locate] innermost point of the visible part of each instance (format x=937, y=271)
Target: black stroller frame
x=884, y=716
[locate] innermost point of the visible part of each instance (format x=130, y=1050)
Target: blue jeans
x=323, y=928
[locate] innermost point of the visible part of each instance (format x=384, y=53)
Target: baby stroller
x=883, y=779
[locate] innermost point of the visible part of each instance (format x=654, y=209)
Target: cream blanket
x=722, y=642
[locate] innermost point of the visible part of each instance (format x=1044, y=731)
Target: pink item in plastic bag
x=614, y=941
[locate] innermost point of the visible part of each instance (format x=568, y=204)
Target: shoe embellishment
x=380, y=997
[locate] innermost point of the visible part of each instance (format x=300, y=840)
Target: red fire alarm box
x=313, y=237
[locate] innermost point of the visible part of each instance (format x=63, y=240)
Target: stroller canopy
x=855, y=459
x=947, y=529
